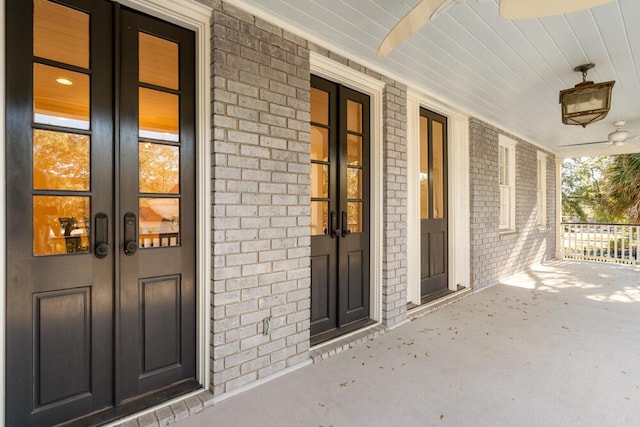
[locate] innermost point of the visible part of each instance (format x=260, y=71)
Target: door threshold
x=344, y=342
x=140, y=404
x=432, y=304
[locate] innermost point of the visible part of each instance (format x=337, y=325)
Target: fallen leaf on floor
x=321, y=404
x=442, y=416
x=627, y=398
x=565, y=327
x=362, y=363
x=353, y=381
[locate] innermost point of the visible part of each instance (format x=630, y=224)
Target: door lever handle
x=345, y=227
x=333, y=223
x=101, y=248
x=130, y=231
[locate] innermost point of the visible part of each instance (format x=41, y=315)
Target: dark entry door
x=100, y=210
x=433, y=203
x=339, y=209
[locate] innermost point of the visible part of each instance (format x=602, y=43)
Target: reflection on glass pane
x=319, y=106
x=354, y=150
x=60, y=161
x=159, y=169
x=354, y=116
x=61, y=225
x=438, y=170
x=319, y=180
x=424, y=197
x=424, y=170
x=319, y=144
x=158, y=115
x=60, y=33
x=159, y=222
x=319, y=218
x=354, y=217
x=158, y=63
x=60, y=97
x=354, y=183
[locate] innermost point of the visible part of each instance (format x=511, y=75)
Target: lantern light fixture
x=587, y=102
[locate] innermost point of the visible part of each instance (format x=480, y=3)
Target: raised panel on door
x=156, y=204
x=433, y=204
x=59, y=131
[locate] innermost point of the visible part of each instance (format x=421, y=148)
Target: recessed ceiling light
x=64, y=81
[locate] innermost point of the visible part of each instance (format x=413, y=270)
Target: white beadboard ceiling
x=506, y=72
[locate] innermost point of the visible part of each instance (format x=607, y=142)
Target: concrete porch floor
x=556, y=346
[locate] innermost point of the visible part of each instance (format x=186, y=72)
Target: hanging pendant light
x=587, y=102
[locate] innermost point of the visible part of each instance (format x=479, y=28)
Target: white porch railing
x=616, y=243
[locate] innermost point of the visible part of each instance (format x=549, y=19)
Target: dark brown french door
x=100, y=211
x=433, y=203
x=339, y=209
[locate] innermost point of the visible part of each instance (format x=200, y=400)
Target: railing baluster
x=604, y=242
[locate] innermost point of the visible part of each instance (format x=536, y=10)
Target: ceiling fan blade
x=524, y=9
x=415, y=19
x=587, y=143
x=633, y=138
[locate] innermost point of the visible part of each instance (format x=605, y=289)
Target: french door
x=433, y=204
x=339, y=209
x=100, y=211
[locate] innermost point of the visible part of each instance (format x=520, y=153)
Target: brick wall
x=495, y=255
x=260, y=170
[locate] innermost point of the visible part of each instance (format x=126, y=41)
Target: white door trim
x=197, y=17
x=459, y=244
x=339, y=73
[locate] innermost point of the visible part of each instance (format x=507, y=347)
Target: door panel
x=339, y=209
x=59, y=295
x=433, y=203
x=93, y=322
x=157, y=287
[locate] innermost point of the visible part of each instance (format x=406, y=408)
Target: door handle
x=130, y=229
x=333, y=223
x=101, y=248
x=345, y=227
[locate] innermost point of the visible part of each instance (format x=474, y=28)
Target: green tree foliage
x=623, y=186
x=582, y=196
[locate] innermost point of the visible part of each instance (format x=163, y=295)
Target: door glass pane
x=438, y=170
x=61, y=225
x=319, y=180
x=60, y=33
x=158, y=63
x=159, y=222
x=159, y=168
x=319, y=144
x=354, y=217
x=319, y=218
x=354, y=183
x=60, y=97
x=354, y=116
x=354, y=150
x=424, y=170
x=319, y=106
x=158, y=115
x=60, y=161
